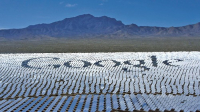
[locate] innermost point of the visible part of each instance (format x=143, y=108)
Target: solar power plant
x=82, y=82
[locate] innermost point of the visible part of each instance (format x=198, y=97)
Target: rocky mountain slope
x=86, y=25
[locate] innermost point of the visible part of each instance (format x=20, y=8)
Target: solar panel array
x=155, y=81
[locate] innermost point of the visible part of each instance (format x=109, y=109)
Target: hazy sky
x=21, y=13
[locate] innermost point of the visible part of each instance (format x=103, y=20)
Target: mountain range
x=87, y=25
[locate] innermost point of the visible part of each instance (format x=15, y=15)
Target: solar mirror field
x=82, y=82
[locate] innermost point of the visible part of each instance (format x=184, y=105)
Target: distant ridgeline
x=87, y=64
x=85, y=26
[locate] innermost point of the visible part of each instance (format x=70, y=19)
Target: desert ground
x=63, y=45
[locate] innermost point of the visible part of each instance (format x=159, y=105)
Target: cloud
x=61, y=3
x=101, y=4
x=70, y=5
x=3, y=28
